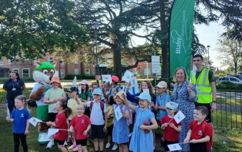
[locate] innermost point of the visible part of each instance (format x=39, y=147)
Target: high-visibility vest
x=203, y=88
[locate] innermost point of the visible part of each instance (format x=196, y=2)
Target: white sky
x=208, y=35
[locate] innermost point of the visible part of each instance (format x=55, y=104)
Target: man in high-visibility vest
x=204, y=80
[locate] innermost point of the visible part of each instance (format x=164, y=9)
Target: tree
x=30, y=28
x=112, y=23
x=231, y=52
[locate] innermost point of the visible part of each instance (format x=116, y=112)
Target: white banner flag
x=34, y=121
x=51, y=132
x=118, y=114
x=107, y=78
x=174, y=147
x=179, y=117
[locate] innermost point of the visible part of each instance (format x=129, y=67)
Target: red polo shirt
x=201, y=130
x=170, y=134
x=61, y=123
x=80, y=124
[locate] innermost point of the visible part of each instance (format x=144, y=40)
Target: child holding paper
x=61, y=123
x=120, y=133
x=200, y=134
x=20, y=117
x=169, y=125
x=142, y=136
x=80, y=125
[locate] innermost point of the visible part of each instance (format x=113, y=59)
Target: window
x=15, y=70
x=25, y=73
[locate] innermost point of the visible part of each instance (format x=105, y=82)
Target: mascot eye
x=45, y=72
x=52, y=71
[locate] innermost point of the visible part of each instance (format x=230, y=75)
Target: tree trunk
x=164, y=43
x=117, y=59
x=235, y=67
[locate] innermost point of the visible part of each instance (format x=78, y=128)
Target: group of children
x=113, y=114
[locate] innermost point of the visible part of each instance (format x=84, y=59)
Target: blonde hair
x=21, y=98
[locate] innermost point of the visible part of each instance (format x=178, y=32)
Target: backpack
x=101, y=106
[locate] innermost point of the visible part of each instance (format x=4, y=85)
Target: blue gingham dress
x=186, y=106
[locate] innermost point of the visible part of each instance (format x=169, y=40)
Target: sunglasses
x=96, y=94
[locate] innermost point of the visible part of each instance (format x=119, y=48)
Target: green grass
x=225, y=139
x=231, y=101
x=230, y=120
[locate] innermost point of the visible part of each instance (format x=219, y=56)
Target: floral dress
x=186, y=106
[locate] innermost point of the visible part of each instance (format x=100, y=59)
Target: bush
x=2, y=80
x=229, y=86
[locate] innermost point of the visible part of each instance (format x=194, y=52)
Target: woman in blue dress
x=142, y=136
x=185, y=95
x=120, y=133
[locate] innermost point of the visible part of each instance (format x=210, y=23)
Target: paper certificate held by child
x=118, y=113
x=174, y=147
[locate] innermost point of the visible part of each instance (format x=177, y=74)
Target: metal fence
x=228, y=114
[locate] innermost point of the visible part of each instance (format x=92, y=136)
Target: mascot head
x=43, y=72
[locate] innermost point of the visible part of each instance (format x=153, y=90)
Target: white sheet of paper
x=51, y=132
x=134, y=89
x=179, y=117
x=118, y=113
x=107, y=78
x=146, y=91
x=74, y=82
x=174, y=147
x=127, y=76
x=34, y=121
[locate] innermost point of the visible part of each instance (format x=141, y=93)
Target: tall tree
x=231, y=52
x=112, y=23
x=30, y=28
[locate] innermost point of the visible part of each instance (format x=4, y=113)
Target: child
x=200, y=134
x=120, y=133
x=109, y=119
x=161, y=99
x=169, y=125
x=61, y=123
x=20, y=118
x=54, y=94
x=97, y=117
x=73, y=102
x=142, y=136
x=80, y=125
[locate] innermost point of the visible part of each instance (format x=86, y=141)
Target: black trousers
x=17, y=138
x=208, y=105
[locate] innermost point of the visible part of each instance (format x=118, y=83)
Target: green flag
x=181, y=28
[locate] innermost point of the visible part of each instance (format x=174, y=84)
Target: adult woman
x=14, y=87
x=184, y=94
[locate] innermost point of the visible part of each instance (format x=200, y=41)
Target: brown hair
x=183, y=69
x=203, y=110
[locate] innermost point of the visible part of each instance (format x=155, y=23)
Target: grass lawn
x=225, y=140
